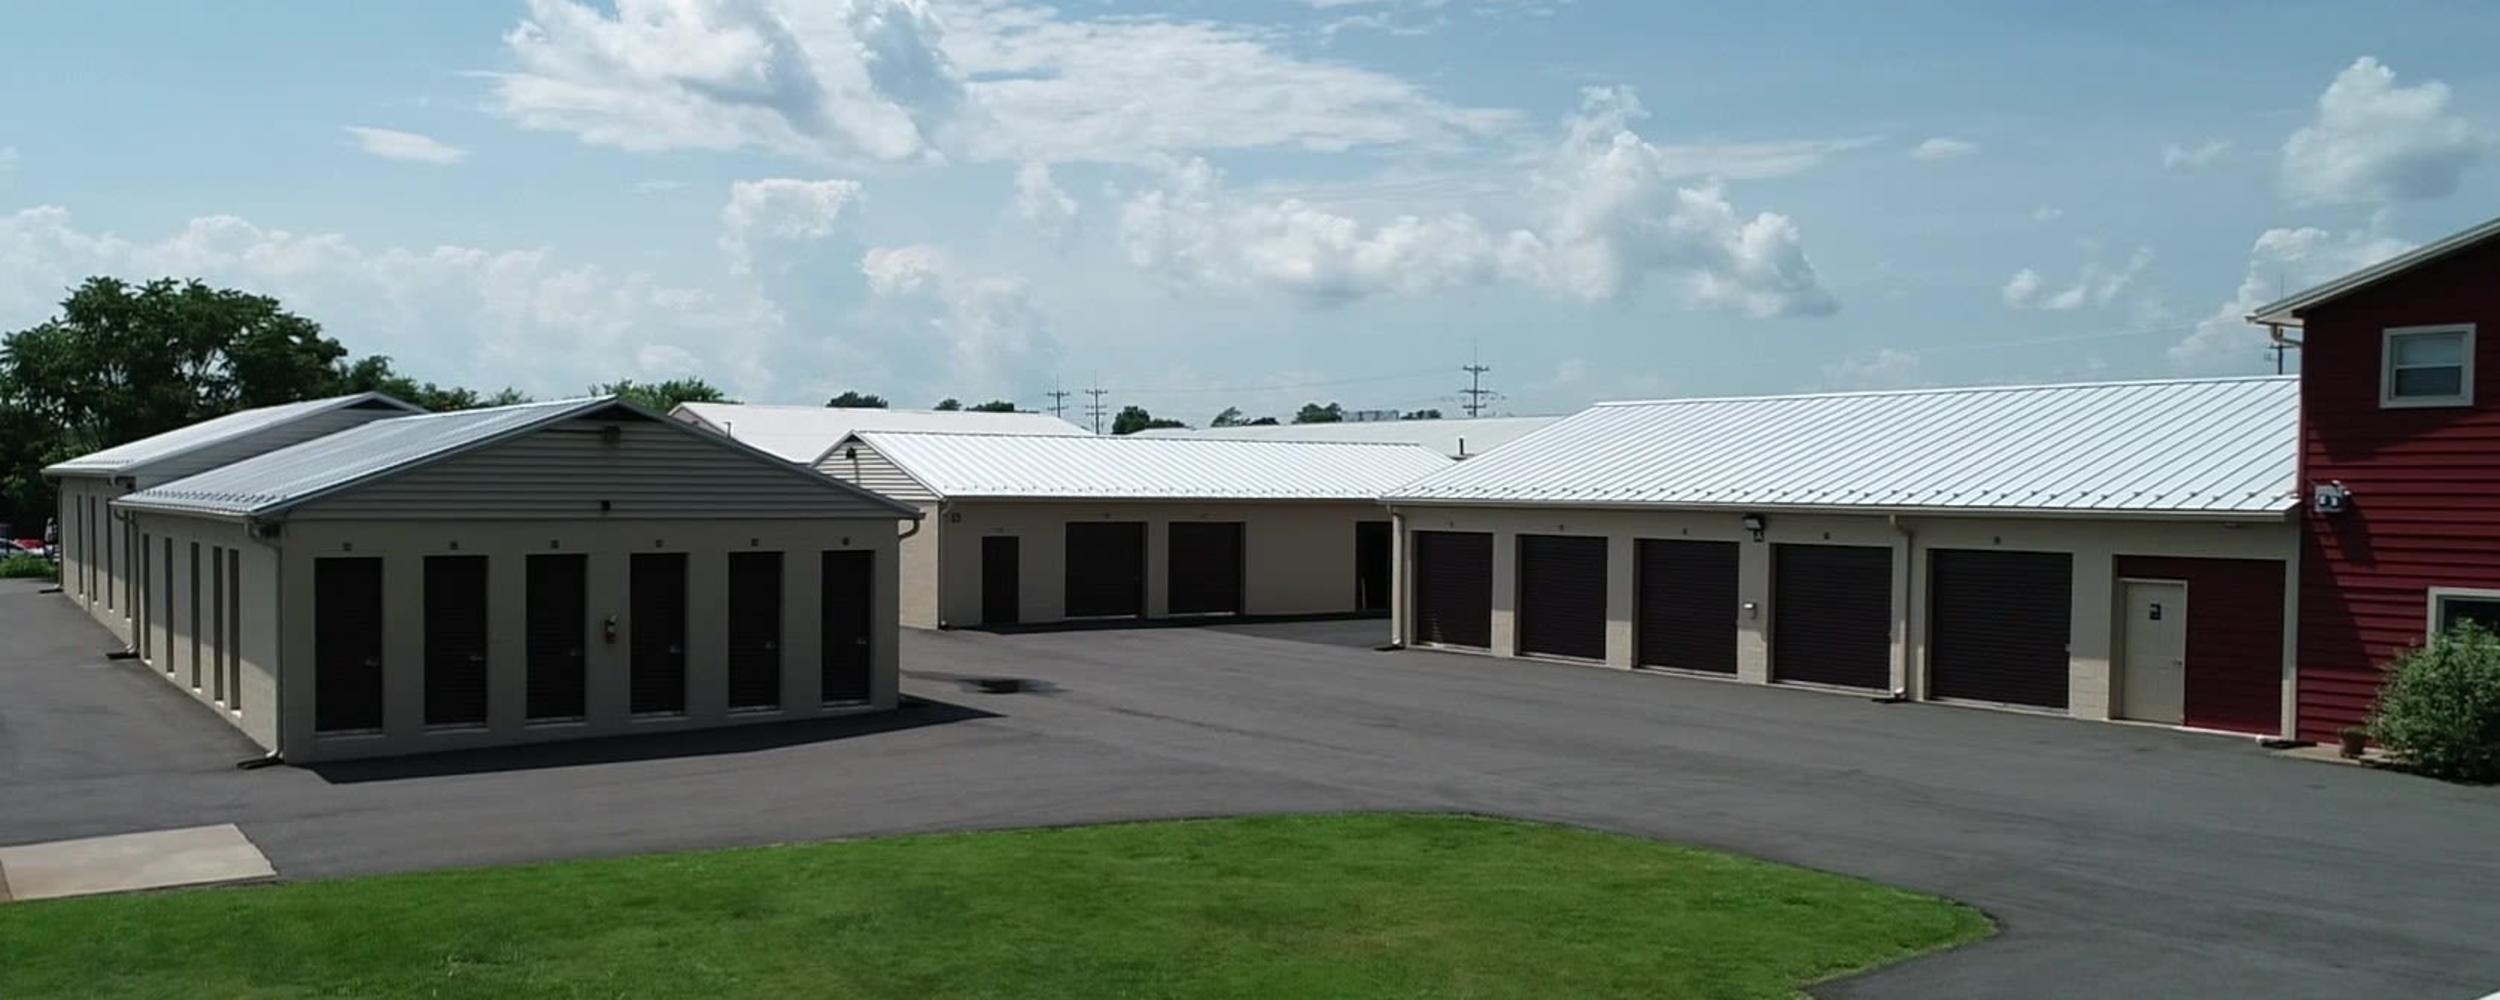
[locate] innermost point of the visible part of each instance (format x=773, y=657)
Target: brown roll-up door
x=1106, y=563
x=1454, y=588
x=1686, y=615
x=1562, y=596
x=1204, y=567
x=1998, y=623
x=1831, y=615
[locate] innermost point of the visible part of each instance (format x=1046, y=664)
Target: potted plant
x=2352, y=740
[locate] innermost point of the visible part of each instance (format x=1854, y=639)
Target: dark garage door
x=1687, y=605
x=347, y=642
x=1562, y=596
x=1997, y=624
x=1831, y=615
x=1454, y=588
x=1106, y=569
x=1204, y=567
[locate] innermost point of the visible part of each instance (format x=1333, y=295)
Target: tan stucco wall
x=1299, y=558
x=919, y=554
x=168, y=641
x=105, y=597
x=403, y=545
x=2093, y=544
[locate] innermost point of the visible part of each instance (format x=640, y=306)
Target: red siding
x=2234, y=638
x=2425, y=483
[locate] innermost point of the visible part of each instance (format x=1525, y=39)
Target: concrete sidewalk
x=131, y=862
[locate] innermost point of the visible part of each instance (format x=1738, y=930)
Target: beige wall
x=95, y=580
x=167, y=646
x=920, y=584
x=2093, y=544
x=1298, y=557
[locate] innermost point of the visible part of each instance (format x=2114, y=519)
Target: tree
x=374, y=374
x=856, y=400
x=1313, y=413
x=1132, y=419
x=1230, y=417
x=1260, y=422
x=1422, y=415
x=993, y=406
x=949, y=404
x=663, y=396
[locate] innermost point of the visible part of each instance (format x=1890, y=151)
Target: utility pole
x=1475, y=393
x=1095, y=408
x=1058, y=401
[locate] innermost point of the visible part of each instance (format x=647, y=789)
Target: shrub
x=2440, y=710
x=28, y=568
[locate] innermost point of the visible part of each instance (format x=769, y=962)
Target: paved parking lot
x=2123, y=861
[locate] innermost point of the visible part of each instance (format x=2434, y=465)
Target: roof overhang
x=2290, y=311
x=1864, y=510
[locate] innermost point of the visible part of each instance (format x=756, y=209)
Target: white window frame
x=2441, y=595
x=2387, y=398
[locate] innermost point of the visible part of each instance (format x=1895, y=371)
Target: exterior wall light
x=1754, y=523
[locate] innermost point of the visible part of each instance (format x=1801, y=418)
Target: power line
x=1272, y=386
x=1475, y=393
x=1096, y=407
x=1058, y=401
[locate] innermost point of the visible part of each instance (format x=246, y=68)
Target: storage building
x=1033, y=528
x=515, y=574
x=1457, y=437
x=99, y=551
x=2119, y=550
x=806, y=434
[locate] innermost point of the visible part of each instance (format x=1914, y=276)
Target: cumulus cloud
x=2282, y=260
x=895, y=81
x=781, y=208
x=1040, y=201
x=1885, y=369
x=392, y=144
x=2096, y=285
x=1943, y=148
x=1605, y=212
x=2375, y=142
x=993, y=330
x=2176, y=156
x=464, y=315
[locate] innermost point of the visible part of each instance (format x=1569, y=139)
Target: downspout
x=1902, y=582
x=1397, y=580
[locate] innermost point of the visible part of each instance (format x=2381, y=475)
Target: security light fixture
x=1753, y=523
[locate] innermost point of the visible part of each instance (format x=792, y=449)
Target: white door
x=2152, y=683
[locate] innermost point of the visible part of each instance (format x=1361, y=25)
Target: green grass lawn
x=1320, y=906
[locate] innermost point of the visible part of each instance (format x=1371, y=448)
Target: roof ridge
x=1125, y=437
x=1956, y=390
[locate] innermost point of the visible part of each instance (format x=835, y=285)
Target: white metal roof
x=804, y=434
x=1458, y=437
x=289, y=476
x=133, y=455
x=2286, y=311
x=2200, y=446
x=1087, y=466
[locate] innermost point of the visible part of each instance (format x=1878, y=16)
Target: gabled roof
x=2287, y=312
x=1457, y=437
x=134, y=456
x=2211, y=446
x=804, y=434
x=272, y=483
x=1091, y=467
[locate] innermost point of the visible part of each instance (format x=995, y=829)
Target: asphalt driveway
x=2123, y=861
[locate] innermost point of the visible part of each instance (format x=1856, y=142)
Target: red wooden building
x=2400, y=456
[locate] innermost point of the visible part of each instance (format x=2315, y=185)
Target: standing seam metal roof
x=132, y=455
x=1086, y=466
x=805, y=434
x=2209, y=446
x=316, y=468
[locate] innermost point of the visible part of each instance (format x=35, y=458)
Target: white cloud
x=2281, y=262
x=391, y=144
x=1943, y=148
x=2096, y=285
x=907, y=80
x=2047, y=213
x=2375, y=142
x=660, y=185
x=1885, y=369
x=1605, y=211
x=454, y=314
x=781, y=208
x=2175, y=156
x=1041, y=202
x=996, y=336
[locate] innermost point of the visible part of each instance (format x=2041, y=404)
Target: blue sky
x=1202, y=204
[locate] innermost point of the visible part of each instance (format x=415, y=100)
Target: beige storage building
x=99, y=551
x=1025, y=529
x=1457, y=437
x=517, y=574
x=2105, y=551
x=807, y=434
